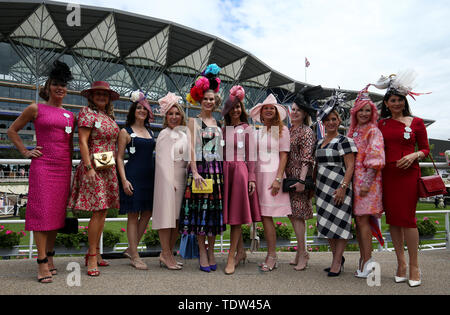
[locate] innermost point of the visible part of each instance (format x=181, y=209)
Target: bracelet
x=418, y=155
x=88, y=167
x=301, y=181
x=278, y=180
x=344, y=185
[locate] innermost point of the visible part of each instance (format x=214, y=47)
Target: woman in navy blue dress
x=137, y=176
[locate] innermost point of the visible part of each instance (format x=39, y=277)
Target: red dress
x=400, y=187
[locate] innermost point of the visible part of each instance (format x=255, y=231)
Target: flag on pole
x=307, y=63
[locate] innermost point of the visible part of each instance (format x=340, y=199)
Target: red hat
x=101, y=85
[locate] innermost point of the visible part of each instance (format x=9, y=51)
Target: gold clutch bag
x=208, y=189
x=104, y=160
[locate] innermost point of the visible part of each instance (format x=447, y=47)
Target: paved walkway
x=18, y=277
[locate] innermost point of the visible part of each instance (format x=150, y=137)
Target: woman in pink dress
x=240, y=201
x=273, y=148
x=367, y=185
x=96, y=190
x=51, y=165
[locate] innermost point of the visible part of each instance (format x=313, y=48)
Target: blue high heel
x=205, y=269
x=213, y=267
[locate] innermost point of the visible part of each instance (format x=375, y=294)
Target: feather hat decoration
x=401, y=83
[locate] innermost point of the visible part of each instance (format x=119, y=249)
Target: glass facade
x=130, y=52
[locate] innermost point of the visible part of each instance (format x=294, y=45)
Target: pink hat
x=101, y=85
x=362, y=100
x=237, y=94
x=167, y=102
x=255, y=112
x=141, y=98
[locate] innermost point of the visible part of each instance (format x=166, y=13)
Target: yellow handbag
x=208, y=189
x=104, y=160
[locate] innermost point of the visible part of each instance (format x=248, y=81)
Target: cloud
x=349, y=43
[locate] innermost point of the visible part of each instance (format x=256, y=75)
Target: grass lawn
x=121, y=226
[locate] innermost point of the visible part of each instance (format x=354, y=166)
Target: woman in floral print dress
x=96, y=190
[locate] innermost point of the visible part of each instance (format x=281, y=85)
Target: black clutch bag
x=288, y=182
x=70, y=227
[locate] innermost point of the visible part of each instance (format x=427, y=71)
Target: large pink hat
x=255, y=112
x=167, y=102
x=101, y=85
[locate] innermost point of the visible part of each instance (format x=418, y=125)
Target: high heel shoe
x=364, y=273
x=92, y=272
x=342, y=264
x=415, y=283
x=336, y=274
x=53, y=271
x=398, y=279
x=306, y=257
x=163, y=263
x=102, y=263
x=205, y=269
x=48, y=279
x=266, y=268
x=238, y=260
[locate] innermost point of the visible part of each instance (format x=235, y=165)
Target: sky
x=349, y=43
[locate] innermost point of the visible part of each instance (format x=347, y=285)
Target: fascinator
x=306, y=96
x=60, y=72
x=401, y=83
x=208, y=80
x=167, y=102
x=255, y=112
x=140, y=97
x=237, y=94
x=335, y=100
x=362, y=100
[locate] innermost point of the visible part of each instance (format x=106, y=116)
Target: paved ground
x=17, y=277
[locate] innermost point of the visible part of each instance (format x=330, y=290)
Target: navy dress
x=140, y=172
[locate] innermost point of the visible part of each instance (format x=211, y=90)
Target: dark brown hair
x=243, y=117
x=131, y=116
x=385, y=112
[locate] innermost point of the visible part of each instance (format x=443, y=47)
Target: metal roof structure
x=130, y=51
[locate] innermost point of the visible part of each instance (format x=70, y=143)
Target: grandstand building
x=129, y=51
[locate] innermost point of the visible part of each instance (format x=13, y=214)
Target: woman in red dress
x=402, y=132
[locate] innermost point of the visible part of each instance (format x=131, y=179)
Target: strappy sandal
x=48, y=279
x=53, y=271
x=266, y=268
x=102, y=263
x=92, y=272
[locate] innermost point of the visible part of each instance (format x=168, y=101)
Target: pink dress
x=105, y=193
x=368, y=165
x=49, y=182
x=269, y=147
x=238, y=170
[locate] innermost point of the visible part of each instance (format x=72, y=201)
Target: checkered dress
x=333, y=221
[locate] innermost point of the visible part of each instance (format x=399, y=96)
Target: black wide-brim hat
x=306, y=96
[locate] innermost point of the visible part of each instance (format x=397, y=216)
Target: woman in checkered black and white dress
x=335, y=160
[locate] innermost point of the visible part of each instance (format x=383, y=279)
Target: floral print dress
x=105, y=193
x=368, y=164
x=301, y=155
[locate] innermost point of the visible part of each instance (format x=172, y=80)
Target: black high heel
x=53, y=271
x=342, y=266
x=48, y=279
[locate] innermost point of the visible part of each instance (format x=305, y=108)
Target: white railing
x=223, y=244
